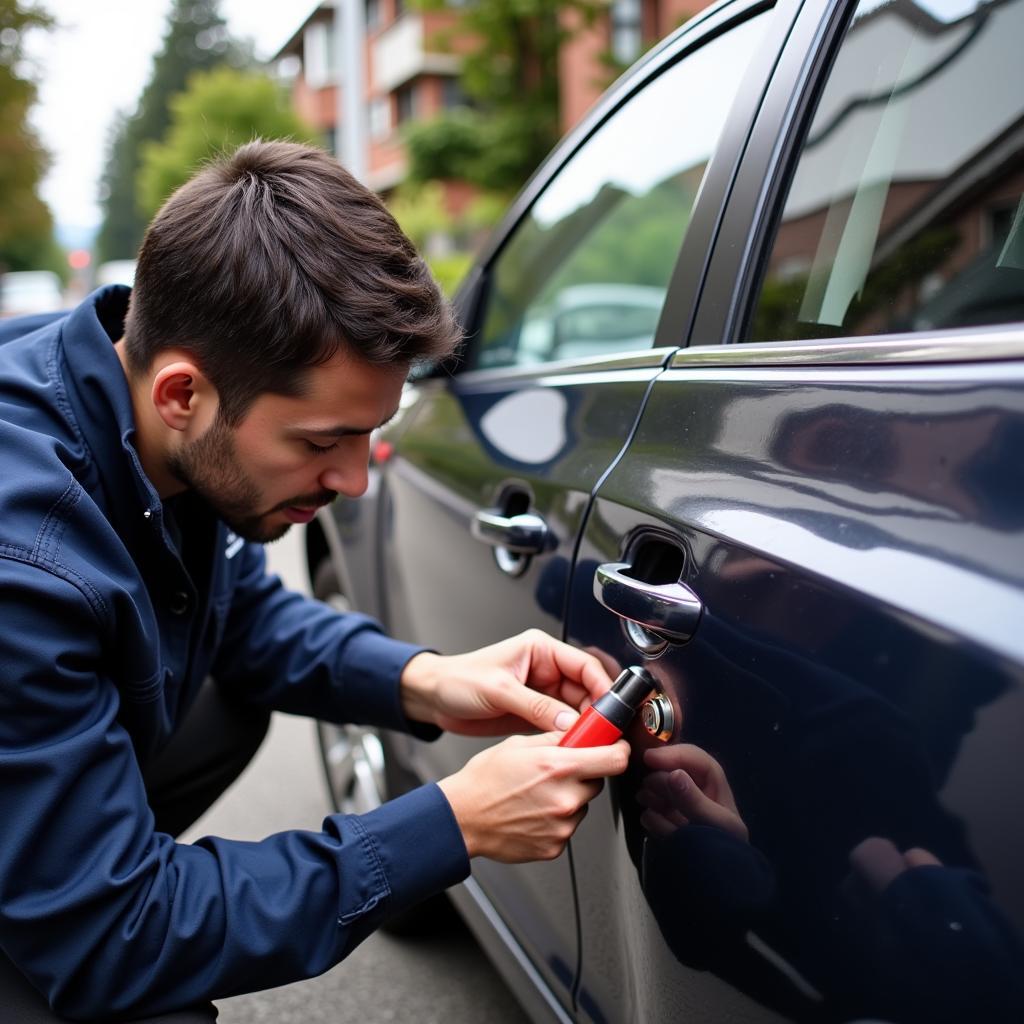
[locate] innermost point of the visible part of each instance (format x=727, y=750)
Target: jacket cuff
x=372, y=671
x=419, y=844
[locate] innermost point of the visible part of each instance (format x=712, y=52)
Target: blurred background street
x=444, y=108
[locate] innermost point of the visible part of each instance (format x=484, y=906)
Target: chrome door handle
x=524, y=534
x=671, y=610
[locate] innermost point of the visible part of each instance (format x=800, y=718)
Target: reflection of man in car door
x=833, y=905
x=152, y=443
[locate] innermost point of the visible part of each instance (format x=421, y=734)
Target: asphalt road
x=443, y=978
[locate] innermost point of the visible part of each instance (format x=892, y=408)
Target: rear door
x=496, y=464
x=830, y=827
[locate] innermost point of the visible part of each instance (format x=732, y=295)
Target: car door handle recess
x=524, y=534
x=671, y=610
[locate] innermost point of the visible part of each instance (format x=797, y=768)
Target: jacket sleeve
x=107, y=917
x=287, y=652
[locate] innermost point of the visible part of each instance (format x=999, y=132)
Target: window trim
x=960, y=345
x=755, y=202
x=641, y=359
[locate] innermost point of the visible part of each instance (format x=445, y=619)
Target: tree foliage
x=218, y=111
x=447, y=240
x=511, y=76
x=195, y=39
x=26, y=224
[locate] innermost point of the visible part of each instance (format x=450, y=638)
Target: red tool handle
x=591, y=729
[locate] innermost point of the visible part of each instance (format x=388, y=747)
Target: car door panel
x=849, y=514
x=855, y=540
x=547, y=440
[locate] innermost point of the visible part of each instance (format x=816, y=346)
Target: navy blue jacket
x=104, y=642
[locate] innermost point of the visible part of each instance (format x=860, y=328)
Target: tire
x=361, y=772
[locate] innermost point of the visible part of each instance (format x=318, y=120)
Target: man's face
x=290, y=455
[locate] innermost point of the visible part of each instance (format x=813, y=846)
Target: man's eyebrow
x=340, y=430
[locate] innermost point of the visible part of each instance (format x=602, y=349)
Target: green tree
x=195, y=39
x=511, y=78
x=218, y=111
x=26, y=224
x=446, y=240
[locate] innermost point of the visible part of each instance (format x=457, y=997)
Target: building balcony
x=401, y=52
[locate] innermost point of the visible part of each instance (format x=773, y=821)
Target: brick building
x=387, y=53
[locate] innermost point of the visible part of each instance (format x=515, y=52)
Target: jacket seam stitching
x=47, y=540
x=55, y=568
x=383, y=889
x=60, y=391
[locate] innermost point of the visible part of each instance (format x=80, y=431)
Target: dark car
x=794, y=492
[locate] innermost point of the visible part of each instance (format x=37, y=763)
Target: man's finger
x=540, y=710
x=917, y=857
x=554, y=662
x=598, y=762
x=655, y=824
x=583, y=762
x=877, y=861
x=659, y=824
x=688, y=799
x=573, y=694
x=695, y=761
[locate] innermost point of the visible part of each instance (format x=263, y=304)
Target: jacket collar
x=100, y=398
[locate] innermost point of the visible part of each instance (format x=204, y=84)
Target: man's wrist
x=450, y=788
x=417, y=686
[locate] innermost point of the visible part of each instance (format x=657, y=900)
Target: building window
x=627, y=30
x=318, y=55
x=288, y=68
x=452, y=94
x=380, y=118
x=373, y=15
x=405, y=103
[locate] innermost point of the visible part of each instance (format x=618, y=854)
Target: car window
x=906, y=209
x=585, y=272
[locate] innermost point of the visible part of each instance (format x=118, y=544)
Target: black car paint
x=844, y=697
x=841, y=674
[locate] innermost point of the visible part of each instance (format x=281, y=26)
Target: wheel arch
x=323, y=541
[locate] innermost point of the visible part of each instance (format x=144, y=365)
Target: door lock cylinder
x=658, y=716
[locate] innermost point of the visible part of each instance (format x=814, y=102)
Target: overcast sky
x=97, y=62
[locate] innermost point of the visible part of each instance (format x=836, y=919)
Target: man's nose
x=348, y=476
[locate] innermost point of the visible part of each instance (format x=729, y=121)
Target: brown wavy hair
x=269, y=262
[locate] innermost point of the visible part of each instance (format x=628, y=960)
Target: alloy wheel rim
x=353, y=755
x=354, y=763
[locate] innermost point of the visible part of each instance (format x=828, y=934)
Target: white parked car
x=116, y=272
x=30, y=291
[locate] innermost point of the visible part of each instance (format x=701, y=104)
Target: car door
x=496, y=462
x=818, y=528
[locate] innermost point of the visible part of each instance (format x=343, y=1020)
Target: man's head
x=274, y=294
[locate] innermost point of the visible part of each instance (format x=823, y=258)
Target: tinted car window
x=585, y=272
x=905, y=212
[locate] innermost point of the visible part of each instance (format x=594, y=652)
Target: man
x=149, y=445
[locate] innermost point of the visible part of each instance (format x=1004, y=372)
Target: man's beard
x=209, y=466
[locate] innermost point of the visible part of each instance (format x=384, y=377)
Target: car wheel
x=362, y=772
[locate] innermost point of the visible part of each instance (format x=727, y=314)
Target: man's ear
x=182, y=395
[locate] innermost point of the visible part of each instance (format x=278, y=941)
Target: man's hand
x=879, y=862
x=530, y=681
x=685, y=785
x=522, y=799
